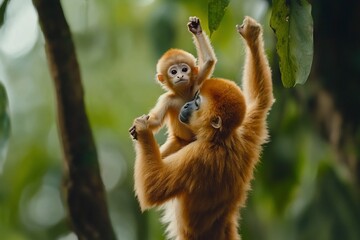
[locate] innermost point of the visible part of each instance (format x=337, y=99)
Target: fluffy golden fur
x=169, y=104
x=203, y=185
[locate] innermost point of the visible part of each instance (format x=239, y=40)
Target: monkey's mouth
x=184, y=118
x=181, y=80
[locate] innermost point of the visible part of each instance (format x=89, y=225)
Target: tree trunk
x=84, y=189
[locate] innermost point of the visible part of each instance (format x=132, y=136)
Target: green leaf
x=2, y=11
x=216, y=11
x=292, y=23
x=4, y=124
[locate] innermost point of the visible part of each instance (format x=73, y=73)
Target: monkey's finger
x=238, y=26
x=134, y=136
x=193, y=21
x=197, y=20
x=240, y=29
x=132, y=128
x=133, y=133
x=191, y=26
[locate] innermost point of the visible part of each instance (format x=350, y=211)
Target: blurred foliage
x=163, y=20
x=2, y=11
x=4, y=124
x=300, y=191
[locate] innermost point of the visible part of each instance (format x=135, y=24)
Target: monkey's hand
x=194, y=25
x=140, y=124
x=249, y=29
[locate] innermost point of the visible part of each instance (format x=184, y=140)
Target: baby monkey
x=181, y=76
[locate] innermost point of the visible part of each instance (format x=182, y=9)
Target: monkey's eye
x=173, y=70
x=185, y=68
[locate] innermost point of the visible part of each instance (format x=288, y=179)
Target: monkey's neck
x=215, y=137
x=185, y=93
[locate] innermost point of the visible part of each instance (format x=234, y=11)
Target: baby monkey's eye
x=184, y=69
x=173, y=72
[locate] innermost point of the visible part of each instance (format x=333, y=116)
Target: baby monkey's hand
x=194, y=25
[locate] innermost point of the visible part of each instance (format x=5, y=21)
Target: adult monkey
x=181, y=76
x=205, y=183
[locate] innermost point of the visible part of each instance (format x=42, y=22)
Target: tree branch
x=84, y=189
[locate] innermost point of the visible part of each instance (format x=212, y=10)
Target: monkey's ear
x=160, y=77
x=195, y=70
x=216, y=122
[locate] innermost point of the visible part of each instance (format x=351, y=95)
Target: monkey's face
x=188, y=109
x=219, y=106
x=199, y=113
x=179, y=74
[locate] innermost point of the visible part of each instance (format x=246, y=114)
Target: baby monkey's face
x=179, y=73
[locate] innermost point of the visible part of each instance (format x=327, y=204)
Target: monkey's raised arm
x=205, y=52
x=257, y=83
x=155, y=180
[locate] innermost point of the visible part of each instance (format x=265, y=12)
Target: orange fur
x=169, y=104
x=203, y=185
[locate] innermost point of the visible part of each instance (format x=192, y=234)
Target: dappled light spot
x=20, y=31
x=42, y=209
x=69, y=236
x=113, y=166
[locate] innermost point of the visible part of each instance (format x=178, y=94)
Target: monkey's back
x=209, y=209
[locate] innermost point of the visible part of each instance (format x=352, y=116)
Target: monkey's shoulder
x=173, y=100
